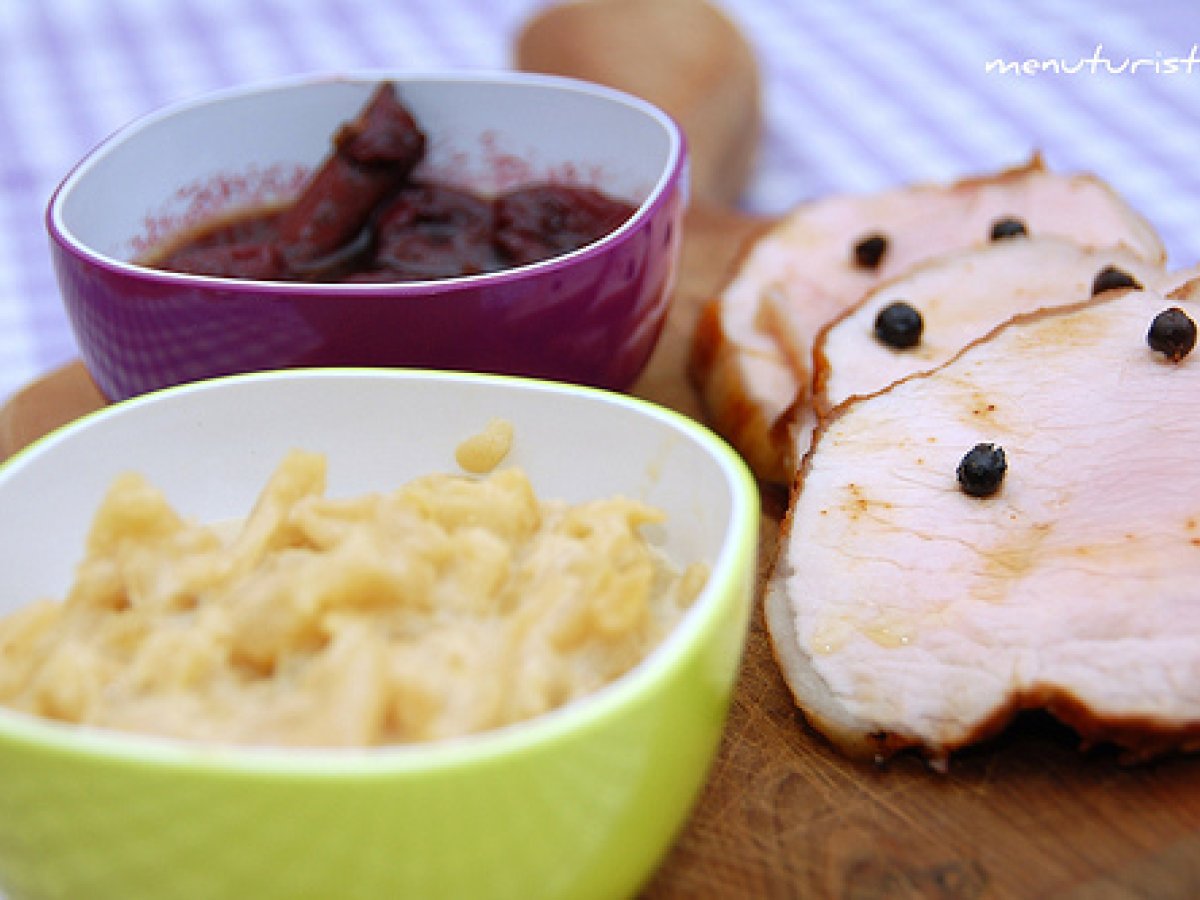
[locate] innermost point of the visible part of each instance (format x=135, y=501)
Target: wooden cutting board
x=783, y=815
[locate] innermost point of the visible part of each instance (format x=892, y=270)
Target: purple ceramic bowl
x=589, y=317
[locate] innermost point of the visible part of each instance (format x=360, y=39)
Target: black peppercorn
x=982, y=469
x=1008, y=228
x=868, y=253
x=1110, y=278
x=899, y=325
x=1172, y=333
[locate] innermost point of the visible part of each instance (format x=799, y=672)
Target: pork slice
x=1178, y=278
x=961, y=297
x=746, y=387
x=905, y=613
x=802, y=274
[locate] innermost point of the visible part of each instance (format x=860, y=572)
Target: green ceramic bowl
x=583, y=802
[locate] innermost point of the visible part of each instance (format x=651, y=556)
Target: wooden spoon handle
x=689, y=59
x=684, y=56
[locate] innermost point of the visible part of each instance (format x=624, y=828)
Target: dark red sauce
x=362, y=217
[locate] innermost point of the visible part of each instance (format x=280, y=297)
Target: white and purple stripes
x=859, y=96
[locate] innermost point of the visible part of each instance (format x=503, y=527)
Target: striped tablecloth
x=859, y=95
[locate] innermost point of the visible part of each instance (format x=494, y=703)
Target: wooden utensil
x=692, y=61
x=783, y=815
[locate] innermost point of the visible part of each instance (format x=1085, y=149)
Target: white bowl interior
x=212, y=445
x=251, y=145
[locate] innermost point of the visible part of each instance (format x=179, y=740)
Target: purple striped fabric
x=859, y=96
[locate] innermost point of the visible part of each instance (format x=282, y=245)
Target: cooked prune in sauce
x=363, y=217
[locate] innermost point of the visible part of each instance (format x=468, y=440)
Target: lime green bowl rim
x=736, y=555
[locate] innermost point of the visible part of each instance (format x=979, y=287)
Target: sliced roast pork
x=956, y=299
x=754, y=345
x=924, y=592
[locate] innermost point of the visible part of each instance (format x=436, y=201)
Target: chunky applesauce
x=454, y=604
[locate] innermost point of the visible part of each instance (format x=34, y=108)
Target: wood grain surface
x=783, y=815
